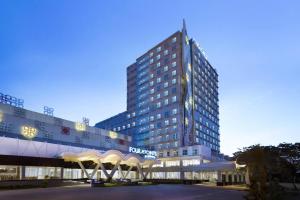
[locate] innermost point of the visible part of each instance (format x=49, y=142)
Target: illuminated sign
x=113, y=135
x=80, y=126
x=10, y=100
x=48, y=111
x=146, y=153
x=28, y=132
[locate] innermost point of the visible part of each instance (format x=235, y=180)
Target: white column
x=130, y=168
x=22, y=172
x=121, y=175
x=84, y=170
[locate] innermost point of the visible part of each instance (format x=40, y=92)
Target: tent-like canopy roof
x=111, y=156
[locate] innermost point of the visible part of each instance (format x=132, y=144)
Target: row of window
x=123, y=127
x=165, y=138
x=166, y=123
x=158, y=49
x=158, y=57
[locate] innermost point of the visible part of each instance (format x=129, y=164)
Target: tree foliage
x=266, y=165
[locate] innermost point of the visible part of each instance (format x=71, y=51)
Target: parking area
x=151, y=192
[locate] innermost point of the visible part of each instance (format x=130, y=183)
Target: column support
x=95, y=170
x=61, y=173
x=140, y=170
x=121, y=175
x=115, y=169
x=22, y=172
x=84, y=170
x=103, y=169
x=130, y=168
x=149, y=170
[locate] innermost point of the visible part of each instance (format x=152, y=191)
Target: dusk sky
x=72, y=55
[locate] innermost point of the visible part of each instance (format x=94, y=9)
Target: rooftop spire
x=184, y=27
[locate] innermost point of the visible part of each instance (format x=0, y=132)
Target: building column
x=247, y=178
x=61, y=175
x=82, y=174
x=181, y=170
x=128, y=171
x=22, y=172
x=219, y=176
x=226, y=177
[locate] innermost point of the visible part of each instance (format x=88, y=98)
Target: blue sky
x=72, y=55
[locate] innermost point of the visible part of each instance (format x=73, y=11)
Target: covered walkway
x=115, y=158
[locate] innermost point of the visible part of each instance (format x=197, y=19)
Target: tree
x=265, y=167
x=291, y=152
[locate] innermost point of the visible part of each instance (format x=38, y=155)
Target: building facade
x=170, y=129
x=172, y=100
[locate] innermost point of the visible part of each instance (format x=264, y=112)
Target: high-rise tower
x=172, y=99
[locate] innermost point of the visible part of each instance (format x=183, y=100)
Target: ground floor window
x=42, y=172
x=173, y=175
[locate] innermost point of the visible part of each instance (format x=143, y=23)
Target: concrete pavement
x=163, y=192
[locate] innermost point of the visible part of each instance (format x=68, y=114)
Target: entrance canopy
x=111, y=156
x=114, y=157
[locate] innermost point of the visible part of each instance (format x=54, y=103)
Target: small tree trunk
x=294, y=183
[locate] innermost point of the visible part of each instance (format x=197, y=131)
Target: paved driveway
x=163, y=192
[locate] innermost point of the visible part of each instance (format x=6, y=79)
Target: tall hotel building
x=172, y=100
x=172, y=113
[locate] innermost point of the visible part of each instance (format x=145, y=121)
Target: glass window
x=151, y=60
x=166, y=84
x=158, y=80
x=166, y=122
x=174, y=64
x=174, y=39
x=184, y=152
x=174, y=99
x=174, y=55
x=152, y=91
x=174, y=120
x=165, y=68
x=166, y=52
x=174, y=81
x=174, y=90
x=158, y=104
x=166, y=101
x=158, y=49
x=158, y=64
x=151, y=118
x=151, y=54
x=158, y=116
x=158, y=57
x=166, y=77
x=152, y=126
x=174, y=111
x=173, y=72
x=166, y=93
x=151, y=83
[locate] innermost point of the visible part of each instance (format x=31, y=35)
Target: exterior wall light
x=113, y=135
x=28, y=132
x=80, y=126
